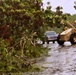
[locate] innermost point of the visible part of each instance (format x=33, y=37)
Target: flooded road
x=61, y=60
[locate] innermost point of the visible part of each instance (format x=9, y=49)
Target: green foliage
x=72, y=18
x=54, y=19
x=21, y=24
x=11, y=60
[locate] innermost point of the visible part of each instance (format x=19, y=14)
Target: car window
x=50, y=33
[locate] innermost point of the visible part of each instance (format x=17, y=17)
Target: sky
x=68, y=5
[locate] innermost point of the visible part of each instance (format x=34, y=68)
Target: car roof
x=49, y=32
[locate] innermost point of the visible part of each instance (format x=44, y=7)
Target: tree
x=75, y=5
x=20, y=25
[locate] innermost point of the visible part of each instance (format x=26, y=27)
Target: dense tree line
x=72, y=18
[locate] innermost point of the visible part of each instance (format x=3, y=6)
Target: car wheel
x=43, y=42
x=47, y=41
x=53, y=41
x=58, y=40
x=73, y=38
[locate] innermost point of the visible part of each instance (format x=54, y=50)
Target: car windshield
x=51, y=33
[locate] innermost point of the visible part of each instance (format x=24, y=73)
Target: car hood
x=52, y=35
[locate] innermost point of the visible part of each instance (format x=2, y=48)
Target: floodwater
x=61, y=60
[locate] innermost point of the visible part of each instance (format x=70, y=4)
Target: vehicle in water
x=67, y=35
x=51, y=36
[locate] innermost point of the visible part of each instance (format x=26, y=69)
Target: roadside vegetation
x=21, y=24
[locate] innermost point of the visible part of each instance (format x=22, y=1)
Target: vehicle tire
x=47, y=42
x=43, y=42
x=72, y=38
x=58, y=41
x=53, y=41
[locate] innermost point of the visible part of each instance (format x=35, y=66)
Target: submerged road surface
x=61, y=60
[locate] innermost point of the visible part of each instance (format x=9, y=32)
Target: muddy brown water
x=61, y=60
